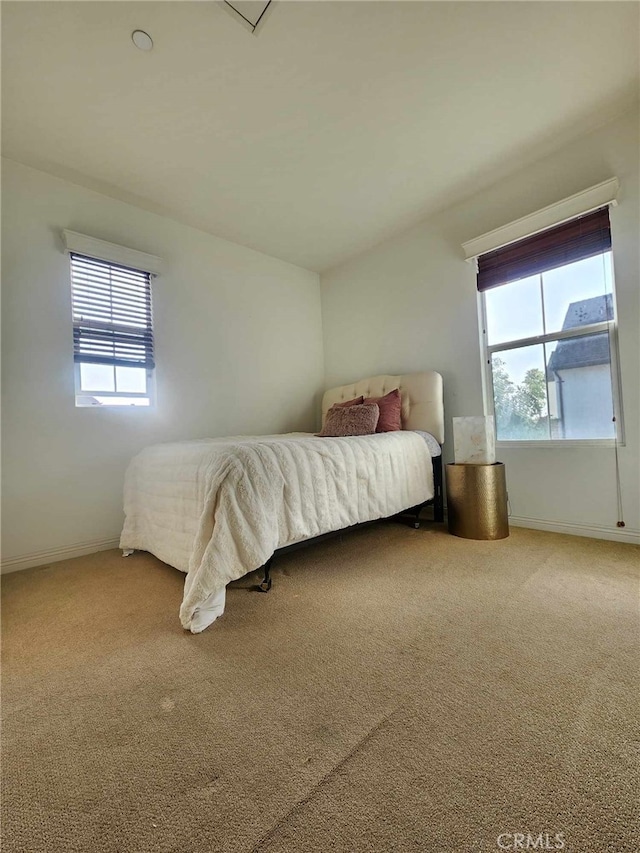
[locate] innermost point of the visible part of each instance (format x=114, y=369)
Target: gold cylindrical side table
x=477, y=501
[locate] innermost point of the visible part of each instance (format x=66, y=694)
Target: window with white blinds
x=112, y=333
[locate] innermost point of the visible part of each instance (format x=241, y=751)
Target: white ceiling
x=335, y=126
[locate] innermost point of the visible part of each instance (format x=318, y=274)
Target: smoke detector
x=142, y=40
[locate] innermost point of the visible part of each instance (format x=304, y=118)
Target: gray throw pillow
x=350, y=420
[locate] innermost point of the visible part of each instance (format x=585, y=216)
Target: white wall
x=410, y=304
x=238, y=347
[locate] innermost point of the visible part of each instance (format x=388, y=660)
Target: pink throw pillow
x=390, y=411
x=350, y=420
x=357, y=401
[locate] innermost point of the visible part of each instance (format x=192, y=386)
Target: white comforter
x=219, y=508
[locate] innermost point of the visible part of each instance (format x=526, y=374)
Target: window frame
x=487, y=350
x=94, y=249
x=150, y=393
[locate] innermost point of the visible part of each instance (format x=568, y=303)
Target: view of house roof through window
x=549, y=353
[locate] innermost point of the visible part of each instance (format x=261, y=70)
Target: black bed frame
x=437, y=501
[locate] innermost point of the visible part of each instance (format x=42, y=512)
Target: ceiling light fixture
x=142, y=40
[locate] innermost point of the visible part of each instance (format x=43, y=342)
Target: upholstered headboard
x=422, y=406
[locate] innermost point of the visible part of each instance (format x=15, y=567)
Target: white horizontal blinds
x=111, y=314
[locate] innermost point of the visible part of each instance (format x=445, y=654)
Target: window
x=112, y=333
x=549, y=334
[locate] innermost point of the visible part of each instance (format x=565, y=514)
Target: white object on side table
x=474, y=441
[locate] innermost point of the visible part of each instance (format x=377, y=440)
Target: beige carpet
x=397, y=690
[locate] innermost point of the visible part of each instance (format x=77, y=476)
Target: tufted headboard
x=422, y=406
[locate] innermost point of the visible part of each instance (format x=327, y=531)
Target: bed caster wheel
x=416, y=525
x=265, y=586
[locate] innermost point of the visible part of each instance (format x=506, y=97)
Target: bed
x=217, y=509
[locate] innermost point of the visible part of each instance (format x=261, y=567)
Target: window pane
x=514, y=311
x=131, y=379
x=96, y=377
x=520, y=394
x=574, y=295
x=579, y=376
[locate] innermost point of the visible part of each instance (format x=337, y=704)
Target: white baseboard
x=53, y=555
x=615, y=534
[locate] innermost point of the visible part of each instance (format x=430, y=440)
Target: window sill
x=116, y=406
x=555, y=443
